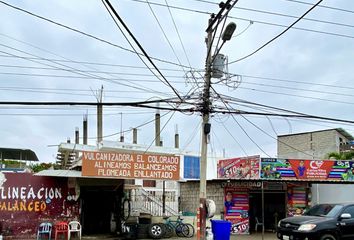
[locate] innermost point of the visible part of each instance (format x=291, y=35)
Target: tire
x=168, y=231
x=156, y=230
x=182, y=230
x=126, y=208
x=190, y=230
x=328, y=237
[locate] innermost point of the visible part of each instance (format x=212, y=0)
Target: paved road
x=267, y=236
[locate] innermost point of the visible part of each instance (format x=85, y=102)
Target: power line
x=280, y=34
x=252, y=20
x=269, y=135
x=232, y=136
x=88, y=77
x=284, y=115
x=81, y=32
x=87, y=71
x=240, y=126
x=284, y=15
x=110, y=9
x=267, y=114
x=322, y=6
x=66, y=91
x=89, y=63
x=70, y=69
x=299, y=89
x=295, y=95
x=179, y=36
x=164, y=34
x=292, y=81
x=140, y=104
x=302, y=115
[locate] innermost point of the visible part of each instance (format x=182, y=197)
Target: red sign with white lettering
x=27, y=200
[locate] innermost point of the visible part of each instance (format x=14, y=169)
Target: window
x=349, y=210
x=149, y=183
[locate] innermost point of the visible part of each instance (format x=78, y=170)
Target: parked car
x=321, y=222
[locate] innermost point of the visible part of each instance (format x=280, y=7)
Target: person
x=301, y=169
x=228, y=201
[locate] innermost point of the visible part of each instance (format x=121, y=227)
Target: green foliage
x=341, y=156
x=37, y=167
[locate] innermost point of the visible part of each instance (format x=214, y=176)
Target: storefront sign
x=239, y=168
x=342, y=170
x=130, y=165
x=25, y=200
x=236, y=207
x=317, y=170
x=247, y=184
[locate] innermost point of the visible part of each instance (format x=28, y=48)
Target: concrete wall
x=332, y=193
x=317, y=144
x=190, y=196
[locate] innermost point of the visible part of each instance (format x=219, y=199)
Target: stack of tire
x=160, y=230
x=143, y=226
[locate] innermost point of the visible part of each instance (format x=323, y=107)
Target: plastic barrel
x=221, y=229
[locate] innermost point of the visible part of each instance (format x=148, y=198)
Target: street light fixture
x=229, y=30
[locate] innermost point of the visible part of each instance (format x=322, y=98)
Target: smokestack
x=157, y=129
x=99, y=123
x=68, y=140
x=135, y=136
x=99, y=116
x=161, y=142
x=84, y=126
x=77, y=136
x=176, y=138
x=121, y=128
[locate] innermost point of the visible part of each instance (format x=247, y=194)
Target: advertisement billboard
x=236, y=207
x=26, y=200
x=239, y=168
x=123, y=165
x=305, y=169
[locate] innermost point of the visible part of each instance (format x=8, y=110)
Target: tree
x=341, y=155
x=43, y=166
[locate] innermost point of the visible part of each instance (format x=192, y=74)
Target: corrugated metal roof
x=59, y=173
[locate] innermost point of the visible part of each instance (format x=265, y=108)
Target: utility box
x=218, y=66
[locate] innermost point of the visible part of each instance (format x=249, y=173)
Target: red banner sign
x=130, y=165
x=26, y=200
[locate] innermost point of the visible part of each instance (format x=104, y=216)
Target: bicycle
x=182, y=229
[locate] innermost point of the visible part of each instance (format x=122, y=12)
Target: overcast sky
x=311, y=68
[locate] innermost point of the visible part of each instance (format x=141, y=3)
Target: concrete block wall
x=317, y=144
x=189, y=197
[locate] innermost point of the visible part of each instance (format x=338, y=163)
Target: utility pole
x=205, y=133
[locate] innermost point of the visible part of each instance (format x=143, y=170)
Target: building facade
x=315, y=145
x=318, y=144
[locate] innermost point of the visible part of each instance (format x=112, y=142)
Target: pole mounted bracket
x=207, y=128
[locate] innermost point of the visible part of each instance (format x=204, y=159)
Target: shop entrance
x=100, y=209
x=274, y=208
